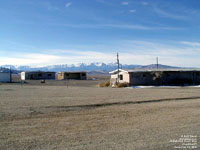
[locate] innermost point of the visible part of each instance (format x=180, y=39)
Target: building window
x=121, y=77
x=168, y=74
x=39, y=75
x=144, y=75
x=49, y=75
x=83, y=74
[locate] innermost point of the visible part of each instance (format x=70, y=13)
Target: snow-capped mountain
x=95, y=66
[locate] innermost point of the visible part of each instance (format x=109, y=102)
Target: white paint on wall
x=22, y=75
x=126, y=77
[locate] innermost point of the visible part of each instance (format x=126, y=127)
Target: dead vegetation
x=104, y=84
x=107, y=84
x=121, y=85
x=37, y=117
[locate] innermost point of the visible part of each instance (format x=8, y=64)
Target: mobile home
x=156, y=77
x=72, y=75
x=37, y=75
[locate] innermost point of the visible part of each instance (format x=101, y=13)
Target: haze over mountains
x=96, y=66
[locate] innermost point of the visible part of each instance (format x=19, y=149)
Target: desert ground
x=78, y=115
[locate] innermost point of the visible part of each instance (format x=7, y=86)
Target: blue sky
x=48, y=32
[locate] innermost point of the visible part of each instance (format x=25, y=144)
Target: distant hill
x=160, y=66
x=92, y=68
x=98, y=73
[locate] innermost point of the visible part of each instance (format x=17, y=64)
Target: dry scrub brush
x=105, y=84
x=120, y=85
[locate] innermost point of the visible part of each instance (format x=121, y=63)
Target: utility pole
x=157, y=62
x=117, y=68
x=10, y=75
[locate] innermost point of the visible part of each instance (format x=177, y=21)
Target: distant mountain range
x=90, y=67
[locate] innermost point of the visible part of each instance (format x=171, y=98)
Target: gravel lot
x=82, y=116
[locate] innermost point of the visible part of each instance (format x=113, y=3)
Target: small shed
x=38, y=75
x=5, y=77
x=72, y=75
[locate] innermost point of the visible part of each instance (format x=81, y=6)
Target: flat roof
x=74, y=72
x=5, y=72
x=151, y=70
x=39, y=72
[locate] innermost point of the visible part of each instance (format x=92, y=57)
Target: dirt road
x=59, y=117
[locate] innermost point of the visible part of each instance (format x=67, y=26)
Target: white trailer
x=4, y=77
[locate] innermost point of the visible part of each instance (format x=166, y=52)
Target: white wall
x=126, y=77
x=4, y=77
x=22, y=75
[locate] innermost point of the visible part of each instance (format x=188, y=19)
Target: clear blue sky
x=47, y=32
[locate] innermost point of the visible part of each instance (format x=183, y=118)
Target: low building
x=72, y=75
x=156, y=77
x=38, y=75
x=5, y=77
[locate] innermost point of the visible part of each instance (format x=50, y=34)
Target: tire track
x=93, y=106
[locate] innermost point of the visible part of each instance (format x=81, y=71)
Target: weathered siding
x=72, y=75
x=172, y=77
x=165, y=78
x=4, y=77
x=126, y=77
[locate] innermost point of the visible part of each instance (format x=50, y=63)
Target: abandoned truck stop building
x=72, y=75
x=156, y=77
x=38, y=75
x=5, y=77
